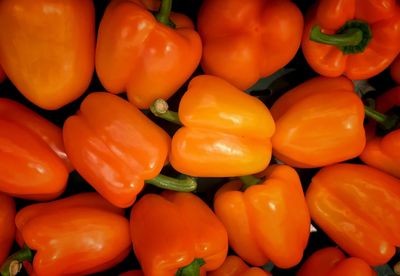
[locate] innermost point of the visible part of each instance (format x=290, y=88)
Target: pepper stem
x=164, y=12
x=388, y=122
x=352, y=38
x=187, y=184
x=249, y=180
x=13, y=264
x=193, y=269
x=160, y=109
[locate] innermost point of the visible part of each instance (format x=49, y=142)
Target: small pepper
x=358, y=39
x=266, y=219
x=357, y=206
x=234, y=266
x=244, y=41
x=147, y=56
x=177, y=234
x=116, y=148
x=7, y=230
x=225, y=132
x=330, y=261
x=47, y=48
x=395, y=70
x=318, y=123
x=85, y=226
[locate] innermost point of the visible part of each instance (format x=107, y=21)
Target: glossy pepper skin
x=142, y=56
x=29, y=168
x=170, y=230
x=383, y=18
x=47, y=48
x=234, y=266
x=114, y=146
x=7, y=231
x=330, y=261
x=51, y=134
x=244, y=41
x=225, y=132
x=339, y=199
x=318, y=123
x=395, y=70
x=74, y=239
x=268, y=221
x=382, y=152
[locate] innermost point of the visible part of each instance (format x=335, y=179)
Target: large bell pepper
x=7, y=230
x=395, y=70
x=177, y=234
x=318, y=123
x=116, y=148
x=383, y=152
x=356, y=38
x=269, y=220
x=330, y=261
x=244, y=41
x=234, y=266
x=47, y=48
x=79, y=235
x=357, y=206
x=147, y=56
x=225, y=132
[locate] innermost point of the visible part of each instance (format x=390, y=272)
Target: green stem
x=164, y=12
x=388, y=122
x=249, y=180
x=187, y=184
x=160, y=109
x=13, y=263
x=192, y=269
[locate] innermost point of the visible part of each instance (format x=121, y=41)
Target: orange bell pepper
x=116, y=148
x=244, y=41
x=28, y=167
x=330, y=261
x=395, y=70
x=7, y=231
x=177, y=234
x=356, y=206
x=225, y=132
x=318, y=123
x=59, y=232
x=143, y=54
x=383, y=152
x=268, y=221
x=47, y=131
x=234, y=266
x=356, y=38
x=47, y=48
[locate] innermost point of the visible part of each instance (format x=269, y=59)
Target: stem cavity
x=192, y=269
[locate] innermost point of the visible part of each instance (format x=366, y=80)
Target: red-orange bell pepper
x=234, y=266
x=383, y=152
x=356, y=38
x=79, y=235
x=50, y=133
x=7, y=230
x=47, y=48
x=395, y=70
x=330, y=261
x=142, y=54
x=318, y=123
x=132, y=273
x=268, y=221
x=116, y=148
x=177, y=233
x=29, y=168
x=225, y=132
x=357, y=206
x=244, y=41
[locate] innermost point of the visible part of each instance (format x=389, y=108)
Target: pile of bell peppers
x=200, y=137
